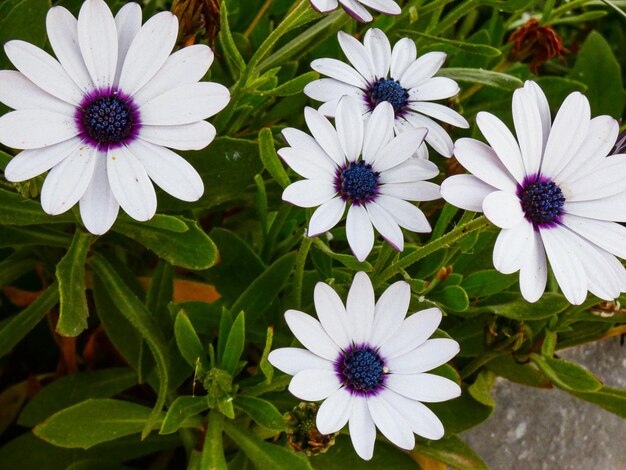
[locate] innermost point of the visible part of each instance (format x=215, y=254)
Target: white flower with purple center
x=553, y=191
x=101, y=116
x=368, y=363
x=362, y=166
x=356, y=8
x=380, y=74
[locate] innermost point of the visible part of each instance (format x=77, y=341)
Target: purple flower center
x=387, y=89
x=357, y=182
x=542, y=201
x=108, y=119
x=361, y=370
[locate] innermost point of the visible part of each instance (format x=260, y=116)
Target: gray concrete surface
x=534, y=429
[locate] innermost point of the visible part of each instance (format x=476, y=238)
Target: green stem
x=607, y=2
x=298, y=275
x=447, y=240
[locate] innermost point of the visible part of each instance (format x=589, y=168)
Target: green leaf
x=19, y=326
x=270, y=159
x=611, y=399
x=234, y=344
x=480, y=390
x=487, y=282
x=264, y=455
x=525, y=374
x=160, y=293
x=292, y=87
x=15, y=266
x=192, y=249
x=180, y=411
x=25, y=20
x=512, y=306
x=17, y=210
x=227, y=41
x=549, y=343
x=213, y=448
x=488, y=78
x=136, y=313
x=461, y=413
x=189, y=344
x=108, y=419
x=471, y=48
x=264, y=364
x=348, y=261
x=261, y=411
x=566, y=375
x=451, y=297
x=451, y=451
x=75, y=388
x=342, y=456
x=70, y=274
x=597, y=67
x=14, y=236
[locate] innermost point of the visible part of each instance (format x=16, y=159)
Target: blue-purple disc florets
x=387, y=89
x=357, y=182
x=361, y=370
x=542, y=201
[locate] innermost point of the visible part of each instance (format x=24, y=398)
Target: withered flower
x=302, y=433
x=535, y=44
x=197, y=17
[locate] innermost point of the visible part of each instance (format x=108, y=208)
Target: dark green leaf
x=161, y=293
x=23, y=19
x=226, y=40
x=525, y=374
x=234, y=344
x=486, y=283
x=566, y=375
x=611, y=399
x=461, y=413
x=180, y=411
x=17, y=210
x=270, y=159
x=189, y=344
x=512, y=306
x=451, y=297
x=261, y=411
x=342, y=456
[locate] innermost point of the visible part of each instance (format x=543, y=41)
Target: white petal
x=349, y=123
x=324, y=6
x=326, y=216
x=386, y=225
x=185, y=104
x=62, y=30
x=362, y=428
x=148, y=51
x=512, y=246
x=422, y=420
x=311, y=334
x=357, y=55
x=35, y=128
x=303, y=141
x=41, y=69
x=606, y=179
x=415, y=330
x=399, y=149
x=309, y=193
x=611, y=208
x=391, y=423
x=18, y=92
x=416, y=191
x=405, y=214
x=527, y=120
x=314, y=384
x=185, y=66
x=338, y=70
x=332, y=314
x=194, y=136
x=329, y=89
x=503, y=143
x=360, y=232
x=569, y=130
x=130, y=184
x=128, y=24
x=378, y=131
x=533, y=274
x=436, y=88
x=607, y=235
x=97, y=37
x=569, y=272
x=413, y=169
x=334, y=413
x=98, y=207
x=360, y=307
x=439, y=112
x=67, y=182
x=294, y=360
x=325, y=134
x=466, y=192
x=503, y=209
x=390, y=310
x=378, y=47
x=172, y=173
x=309, y=165
x=429, y=355
x=427, y=388
x=544, y=108
x=388, y=7
x=30, y=163
x=437, y=136
x=482, y=161
x=422, y=70
x=403, y=54
x=356, y=10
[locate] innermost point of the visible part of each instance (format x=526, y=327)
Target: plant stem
x=298, y=275
x=257, y=18
x=451, y=237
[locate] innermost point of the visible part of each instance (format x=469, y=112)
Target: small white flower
x=554, y=194
x=364, y=166
x=367, y=362
x=355, y=8
x=380, y=74
x=99, y=117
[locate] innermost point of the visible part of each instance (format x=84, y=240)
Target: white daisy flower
x=363, y=166
x=380, y=74
x=101, y=116
x=554, y=194
x=367, y=362
x=356, y=8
